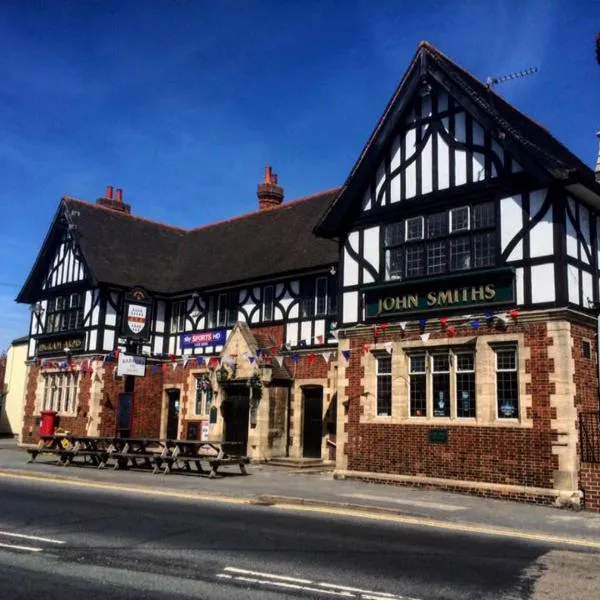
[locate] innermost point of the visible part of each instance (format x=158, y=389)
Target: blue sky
x=183, y=103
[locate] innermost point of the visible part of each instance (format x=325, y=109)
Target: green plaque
x=438, y=436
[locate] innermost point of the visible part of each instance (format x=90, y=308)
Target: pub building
x=433, y=322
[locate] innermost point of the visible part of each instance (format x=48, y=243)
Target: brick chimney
x=270, y=195
x=597, y=169
x=115, y=203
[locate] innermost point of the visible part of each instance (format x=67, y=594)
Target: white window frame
x=60, y=392
x=455, y=374
x=497, y=370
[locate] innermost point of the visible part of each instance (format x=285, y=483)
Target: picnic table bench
x=160, y=455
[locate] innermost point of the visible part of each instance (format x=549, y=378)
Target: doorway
x=173, y=414
x=124, y=415
x=236, y=416
x=313, y=422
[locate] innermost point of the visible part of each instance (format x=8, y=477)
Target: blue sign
x=216, y=337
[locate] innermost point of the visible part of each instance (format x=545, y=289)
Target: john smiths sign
x=486, y=288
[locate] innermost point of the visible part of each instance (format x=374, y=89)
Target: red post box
x=47, y=422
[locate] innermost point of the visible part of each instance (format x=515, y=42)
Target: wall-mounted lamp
x=332, y=270
x=222, y=374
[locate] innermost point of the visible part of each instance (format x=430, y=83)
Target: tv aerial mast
x=492, y=81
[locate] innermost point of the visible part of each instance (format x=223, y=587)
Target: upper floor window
x=60, y=392
x=223, y=309
x=178, y=314
x=459, y=239
x=321, y=296
x=268, y=303
x=64, y=313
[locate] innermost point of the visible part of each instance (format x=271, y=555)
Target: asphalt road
x=62, y=541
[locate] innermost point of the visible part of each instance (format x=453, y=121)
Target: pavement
x=284, y=487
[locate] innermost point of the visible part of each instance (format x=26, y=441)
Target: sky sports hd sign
x=216, y=337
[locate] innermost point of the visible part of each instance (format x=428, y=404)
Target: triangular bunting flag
x=251, y=359
x=185, y=362
x=319, y=339
x=326, y=356
x=388, y=347
x=278, y=359
x=165, y=367
x=366, y=348
x=295, y=357
x=424, y=337
x=311, y=358
x=402, y=325
x=174, y=366
x=346, y=354
x=200, y=361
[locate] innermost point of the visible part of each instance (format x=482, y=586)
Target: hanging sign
x=490, y=287
x=216, y=337
x=129, y=364
x=137, y=315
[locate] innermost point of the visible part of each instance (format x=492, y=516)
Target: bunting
x=388, y=347
x=346, y=354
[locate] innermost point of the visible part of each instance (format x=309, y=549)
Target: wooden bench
x=167, y=463
x=215, y=463
x=122, y=459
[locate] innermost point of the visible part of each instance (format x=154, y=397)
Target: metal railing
x=589, y=436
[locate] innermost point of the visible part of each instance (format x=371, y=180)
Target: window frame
x=462, y=371
x=413, y=409
x=60, y=392
x=203, y=396
x=321, y=296
x=497, y=371
x=178, y=316
x=383, y=385
x=470, y=246
x=65, y=313
x=268, y=303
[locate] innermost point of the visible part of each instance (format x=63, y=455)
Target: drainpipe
x=289, y=422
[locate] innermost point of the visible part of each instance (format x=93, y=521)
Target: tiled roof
x=125, y=250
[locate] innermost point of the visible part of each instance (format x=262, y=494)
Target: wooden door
x=313, y=423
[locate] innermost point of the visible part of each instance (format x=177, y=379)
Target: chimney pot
x=119, y=195
x=109, y=192
x=268, y=173
x=115, y=203
x=270, y=194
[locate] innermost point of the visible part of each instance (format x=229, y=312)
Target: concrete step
x=304, y=465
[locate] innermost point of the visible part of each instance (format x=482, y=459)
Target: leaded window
x=61, y=391
x=321, y=296
x=384, y=386
x=64, y=313
x=178, y=314
x=268, y=303
x=507, y=385
x=465, y=384
x=444, y=242
x=418, y=386
x=440, y=371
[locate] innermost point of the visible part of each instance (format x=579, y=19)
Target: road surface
x=71, y=542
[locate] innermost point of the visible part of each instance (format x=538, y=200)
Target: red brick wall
x=586, y=400
x=505, y=455
x=589, y=478
x=31, y=414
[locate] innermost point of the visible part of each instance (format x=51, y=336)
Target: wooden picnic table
x=155, y=453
